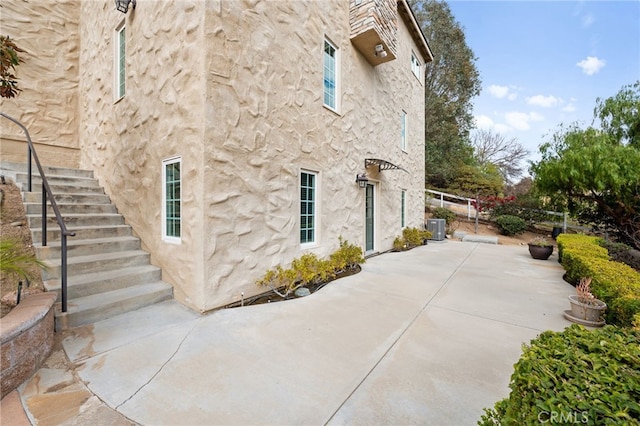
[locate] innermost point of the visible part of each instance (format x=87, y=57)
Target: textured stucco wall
x=265, y=122
x=235, y=89
x=48, y=77
x=161, y=116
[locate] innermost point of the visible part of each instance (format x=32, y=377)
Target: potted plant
x=540, y=248
x=585, y=308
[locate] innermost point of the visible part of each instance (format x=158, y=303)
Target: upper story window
x=171, y=200
x=120, y=59
x=331, y=76
x=308, y=201
x=403, y=131
x=415, y=65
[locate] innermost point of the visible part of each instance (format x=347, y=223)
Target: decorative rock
x=302, y=291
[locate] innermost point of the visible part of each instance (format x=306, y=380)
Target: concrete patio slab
x=427, y=336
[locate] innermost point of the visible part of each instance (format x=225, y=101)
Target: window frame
x=165, y=234
x=403, y=130
x=120, y=57
x=314, y=214
x=336, y=75
x=403, y=208
x=416, y=66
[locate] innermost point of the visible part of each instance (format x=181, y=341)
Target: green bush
x=443, y=213
x=616, y=284
x=411, y=237
x=574, y=376
x=511, y=225
x=309, y=269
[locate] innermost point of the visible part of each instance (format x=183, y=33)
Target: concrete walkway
x=427, y=336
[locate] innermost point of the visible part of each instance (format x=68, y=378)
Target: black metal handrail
x=46, y=193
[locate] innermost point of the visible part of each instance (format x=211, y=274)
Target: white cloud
x=502, y=128
x=501, y=92
x=544, y=101
x=587, y=20
x=521, y=120
x=569, y=108
x=483, y=122
x=498, y=91
x=591, y=65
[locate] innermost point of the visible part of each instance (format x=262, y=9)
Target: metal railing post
x=29, y=167
x=44, y=216
x=63, y=270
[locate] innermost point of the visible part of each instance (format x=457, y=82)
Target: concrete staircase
x=107, y=272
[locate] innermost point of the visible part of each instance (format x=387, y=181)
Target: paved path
x=427, y=336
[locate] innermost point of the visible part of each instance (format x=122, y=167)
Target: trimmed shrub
x=574, y=376
x=411, y=237
x=309, y=269
x=616, y=284
x=511, y=225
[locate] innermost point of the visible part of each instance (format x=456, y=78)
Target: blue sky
x=543, y=63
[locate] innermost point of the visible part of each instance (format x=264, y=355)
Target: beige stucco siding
x=48, y=77
x=160, y=117
x=266, y=122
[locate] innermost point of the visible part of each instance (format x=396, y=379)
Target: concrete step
x=77, y=198
x=78, y=247
x=73, y=220
x=48, y=170
x=90, y=309
x=83, y=232
x=79, y=265
x=57, y=180
x=71, y=208
x=64, y=189
x=99, y=282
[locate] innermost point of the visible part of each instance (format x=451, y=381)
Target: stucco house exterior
x=229, y=134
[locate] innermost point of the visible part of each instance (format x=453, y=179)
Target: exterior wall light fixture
x=123, y=5
x=362, y=180
x=380, y=51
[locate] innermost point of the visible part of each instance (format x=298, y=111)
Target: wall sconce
x=380, y=51
x=362, y=180
x=123, y=5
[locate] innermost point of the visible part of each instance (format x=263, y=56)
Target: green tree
x=9, y=60
x=597, y=170
x=451, y=81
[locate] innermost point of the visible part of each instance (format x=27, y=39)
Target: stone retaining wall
x=26, y=339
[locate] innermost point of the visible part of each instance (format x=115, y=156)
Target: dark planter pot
x=540, y=252
x=555, y=232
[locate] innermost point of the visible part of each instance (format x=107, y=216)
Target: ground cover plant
x=579, y=376
x=511, y=225
x=411, y=237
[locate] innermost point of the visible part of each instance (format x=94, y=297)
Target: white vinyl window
x=308, y=207
x=415, y=65
x=403, y=131
x=171, y=199
x=403, y=208
x=331, y=76
x=120, y=59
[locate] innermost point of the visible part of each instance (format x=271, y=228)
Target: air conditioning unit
x=438, y=228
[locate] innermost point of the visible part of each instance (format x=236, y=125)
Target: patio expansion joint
x=488, y=318
x=395, y=342
x=186, y=336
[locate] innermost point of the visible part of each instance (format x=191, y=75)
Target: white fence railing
x=443, y=198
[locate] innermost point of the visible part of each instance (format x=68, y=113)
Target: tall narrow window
x=171, y=195
x=403, y=131
x=120, y=56
x=307, y=207
x=415, y=65
x=403, y=207
x=330, y=75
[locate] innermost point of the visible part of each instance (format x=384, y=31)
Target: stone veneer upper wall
x=235, y=89
x=48, y=77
